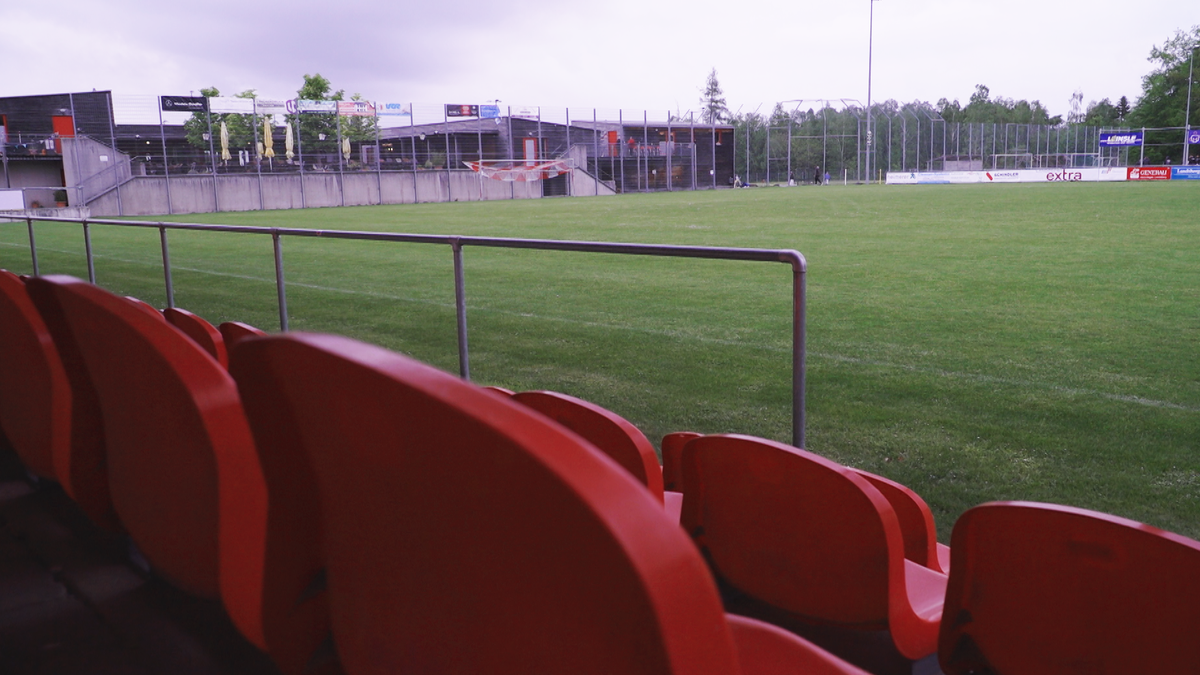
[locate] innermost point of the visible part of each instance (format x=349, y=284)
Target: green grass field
x=972, y=342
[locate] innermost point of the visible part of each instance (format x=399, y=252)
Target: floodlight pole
x=1187, y=116
x=870, y=46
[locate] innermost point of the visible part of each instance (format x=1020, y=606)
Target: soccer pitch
x=975, y=343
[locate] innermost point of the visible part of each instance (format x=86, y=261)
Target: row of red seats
x=323, y=487
x=333, y=487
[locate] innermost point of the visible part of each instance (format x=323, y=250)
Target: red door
x=64, y=127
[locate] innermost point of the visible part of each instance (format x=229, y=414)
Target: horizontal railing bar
x=789, y=256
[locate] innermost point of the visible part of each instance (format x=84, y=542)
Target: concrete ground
x=71, y=602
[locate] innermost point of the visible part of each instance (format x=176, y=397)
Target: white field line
x=839, y=358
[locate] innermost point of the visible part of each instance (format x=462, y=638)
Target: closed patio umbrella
x=268, y=142
x=346, y=147
x=225, y=156
x=288, y=142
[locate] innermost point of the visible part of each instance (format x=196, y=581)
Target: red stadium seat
x=810, y=537
x=82, y=470
x=233, y=331
x=916, y=523
x=463, y=533
x=672, y=458
x=145, y=307
x=612, y=434
x=35, y=396
x=1040, y=589
x=200, y=331
x=182, y=468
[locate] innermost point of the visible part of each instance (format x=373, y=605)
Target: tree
x=358, y=128
x=1102, y=114
x=1077, y=113
x=1164, y=90
x=713, y=109
x=317, y=132
x=1123, y=108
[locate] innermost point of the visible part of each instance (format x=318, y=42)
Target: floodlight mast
x=1187, y=115
x=870, y=47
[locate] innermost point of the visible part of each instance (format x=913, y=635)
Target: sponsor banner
x=489, y=111
x=1194, y=137
x=1004, y=176
x=394, y=109
x=528, y=112
x=266, y=106
x=456, y=110
x=312, y=107
x=231, y=104
x=183, y=103
x=1121, y=139
x=1009, y=176
x=911, y=178
x=356, y=108
x=1185, y=173
x=1149, y=173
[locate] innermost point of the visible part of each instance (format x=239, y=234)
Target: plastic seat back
x=672, y=458
x=183, y=473
x=35, y=396
x=464, y=533
x=200, y=331
x=145, y=307
x=809, y=536
x=235, y=331
x=916, y=521
x=612, y=434
x=1040, y=589
x=83, y=470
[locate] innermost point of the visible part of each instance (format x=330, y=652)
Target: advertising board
x=1185, y=173
x=1149, y=173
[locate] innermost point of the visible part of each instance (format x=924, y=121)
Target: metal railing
x=456, y=244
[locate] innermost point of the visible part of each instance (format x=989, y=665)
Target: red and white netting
x=522, y=170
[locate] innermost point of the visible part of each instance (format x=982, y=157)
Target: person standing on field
x=817, y=176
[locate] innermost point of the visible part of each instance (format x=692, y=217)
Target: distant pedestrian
x=791, y=178
x=817, y=176
x=827, y=178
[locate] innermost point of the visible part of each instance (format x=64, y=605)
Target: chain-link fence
x=90, y=144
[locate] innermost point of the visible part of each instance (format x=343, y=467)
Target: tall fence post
x=166, y=257
x=460, y=305
x=32, y=246
x=280, y=286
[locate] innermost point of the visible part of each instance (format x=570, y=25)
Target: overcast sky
x=628, y=54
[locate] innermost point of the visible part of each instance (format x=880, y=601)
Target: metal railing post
x=460, y=305
x=166, y=256
x=87, y=247
x=799, y=336
x=32, y=246
x=280, y=285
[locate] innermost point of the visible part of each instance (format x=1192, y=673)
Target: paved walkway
x=70, y=601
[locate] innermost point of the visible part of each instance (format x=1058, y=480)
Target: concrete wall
x=148, y=195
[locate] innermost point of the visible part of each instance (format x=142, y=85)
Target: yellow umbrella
x=268, y=142
x=225, y=156
x=346, y=147
x=287, y=141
